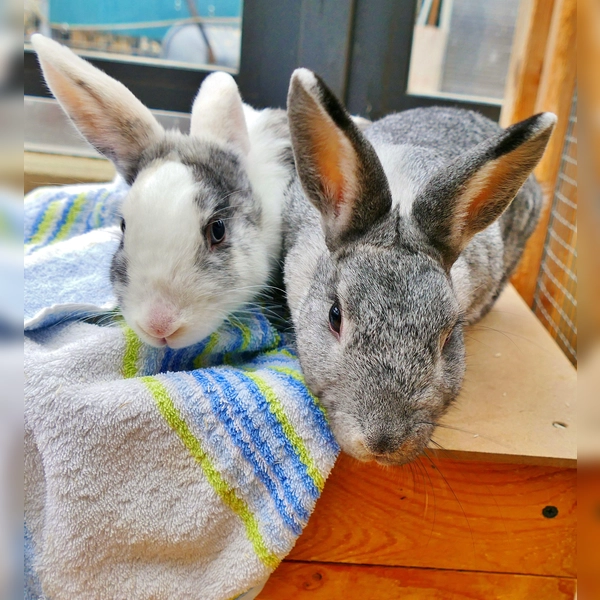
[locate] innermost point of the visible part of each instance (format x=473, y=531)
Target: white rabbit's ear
x=109, y=116
x=337, y=166
x=218, y=112
x=470, y=193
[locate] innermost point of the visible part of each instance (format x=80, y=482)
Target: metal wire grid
x=555, y=300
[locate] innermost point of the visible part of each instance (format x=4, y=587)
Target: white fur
x=218, y=114
x=159, y=263
x=546, y=121
x=268, y=176
x=395, y=161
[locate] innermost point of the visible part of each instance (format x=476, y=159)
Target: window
x=177, y=33
x=361, y=48
x=461, y=48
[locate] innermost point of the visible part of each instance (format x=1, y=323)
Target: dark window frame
x=361, y=48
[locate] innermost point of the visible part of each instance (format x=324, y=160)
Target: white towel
x=154, y=473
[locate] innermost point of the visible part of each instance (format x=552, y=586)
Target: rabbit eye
x=216, y=232
x=123, y=225
x=335, y=318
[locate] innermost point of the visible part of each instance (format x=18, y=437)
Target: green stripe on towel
x=47, y=221
x=74, y=211
x=172, y=416
x=133, y=345
x=244, y=329
x=297, y=375
x=210, y=345
x=296, y=441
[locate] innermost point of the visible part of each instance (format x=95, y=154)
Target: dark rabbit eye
x=216, y=232
x=123, y=225
x=335, y=318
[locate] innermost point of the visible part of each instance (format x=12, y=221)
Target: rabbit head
x=378, y=324
x=196, y=242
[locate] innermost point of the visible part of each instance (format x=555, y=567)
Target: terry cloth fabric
x=152, y=473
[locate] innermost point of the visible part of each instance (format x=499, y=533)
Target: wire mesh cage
x=555, y=300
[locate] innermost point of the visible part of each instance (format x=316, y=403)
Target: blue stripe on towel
x=263, y=419
x=313, y=414
x=267, y=504
x=275, y=427
x=224, y=400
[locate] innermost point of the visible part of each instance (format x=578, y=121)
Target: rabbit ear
x=337, y=166
x=109, y=116
x=466, y=196
x=218, y=112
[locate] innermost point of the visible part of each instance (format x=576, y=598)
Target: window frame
x=361, y=48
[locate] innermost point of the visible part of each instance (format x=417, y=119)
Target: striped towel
x=153, y=473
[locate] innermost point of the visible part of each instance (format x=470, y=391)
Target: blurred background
x=11, y=300
x=506, y=59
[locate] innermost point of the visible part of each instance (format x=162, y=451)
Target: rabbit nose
x=383, y=443
x=161, y=323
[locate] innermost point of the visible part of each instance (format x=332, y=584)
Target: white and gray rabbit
x=202, y=220
x=396, y=238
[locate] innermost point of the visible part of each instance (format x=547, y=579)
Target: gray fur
x=402, y=281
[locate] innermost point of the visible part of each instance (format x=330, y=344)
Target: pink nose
x=161, y=323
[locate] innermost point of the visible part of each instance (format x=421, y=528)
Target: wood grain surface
x=57, y=169
x=446, y=514
x=318, y=581
x=526, y=60
x=555, y=94
x=518, y=402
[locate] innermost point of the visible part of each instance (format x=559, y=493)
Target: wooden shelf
x=518, y=400
x=318, y=581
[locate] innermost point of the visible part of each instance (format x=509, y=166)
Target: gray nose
x=383, y=443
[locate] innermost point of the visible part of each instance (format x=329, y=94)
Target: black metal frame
x=361, y=48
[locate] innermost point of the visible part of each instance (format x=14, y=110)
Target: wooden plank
x=446, y=514
x=588, y=40
x=318, y=581
x=526, y=60
x=588, y=495
x=56, y=169
x=555, y=94
x=518, y=386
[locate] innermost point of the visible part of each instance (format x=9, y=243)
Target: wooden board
x=444, y=514
x=317, y=581
x=526, y=60
x=519, y=390
x=55, y=169
x=555, y=94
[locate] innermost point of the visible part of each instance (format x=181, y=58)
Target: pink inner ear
x=328, y=162
x=336, y=162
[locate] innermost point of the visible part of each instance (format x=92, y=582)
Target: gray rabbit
x=396, y=238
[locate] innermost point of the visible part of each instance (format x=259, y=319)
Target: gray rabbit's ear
x=109, y=116
x=337, y=166
x=471, y=192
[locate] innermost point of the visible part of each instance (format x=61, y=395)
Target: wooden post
x=526, y=60
x=555, y=94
